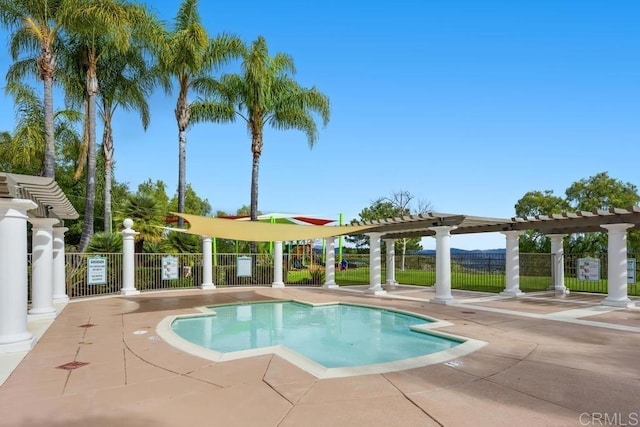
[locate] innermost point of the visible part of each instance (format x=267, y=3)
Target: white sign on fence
x=244, y=266
x=589, y=269
x=97, y=271
x=169, y=267
x=631, y=271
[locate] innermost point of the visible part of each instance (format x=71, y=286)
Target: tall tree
x=266, y=94
x=189, y=57
x=596, y=192
x=25, y=149
x=402, y=200
x=601, y=192
x=379, y=209
x=193, y=203
x=97, y=27
x=125, y=82
x=538, y=203
x=35, y=27
x=398, y=204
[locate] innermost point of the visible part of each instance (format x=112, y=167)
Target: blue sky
x=468, y=105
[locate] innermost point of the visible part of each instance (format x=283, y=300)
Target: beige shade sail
x=264, y=232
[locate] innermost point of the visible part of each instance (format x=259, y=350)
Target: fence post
x=207, y=267
x=59, y=276
x=330, y=263
x=375, y=265
x=512, y=264
x=277, y=266
x=557, y=262
x=391, y=262
x=42, y=268
x=617, y=293
x=443, y=264
x=128, y=259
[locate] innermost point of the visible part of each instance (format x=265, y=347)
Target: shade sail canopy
x=263, y=232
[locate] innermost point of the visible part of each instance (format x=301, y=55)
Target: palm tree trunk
x=182, y=170
x=50, y=149
x=90, y=196
x=107, y=149
x=256, y=150
x=182, y=116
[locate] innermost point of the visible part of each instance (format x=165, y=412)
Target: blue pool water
x=334, y=336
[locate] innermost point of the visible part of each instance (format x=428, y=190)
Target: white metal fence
x=473, y=272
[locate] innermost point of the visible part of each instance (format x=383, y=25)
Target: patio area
x=551, y=360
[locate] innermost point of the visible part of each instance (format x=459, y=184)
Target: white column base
x=626, y=303
x=277, y=285
x=375, y=290
x=42, y=315
x=21, y=342
x=330, y=286
x=391, y=283
x=60, y=299
x=446, y=301
x=207, y=286
x=559, y=289
x=129, y=292
x=517, y=293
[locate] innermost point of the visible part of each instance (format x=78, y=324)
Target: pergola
x=442, y=226
x=565, y=223
x=557, y=226
x=41, y=202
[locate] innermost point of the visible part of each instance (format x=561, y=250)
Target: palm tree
x=126, y=82
x=188, y=57
x=35, y=27
x=25, y=149
x=265, y=93
x=106, y=243
x=98, y=27
x=147, y=218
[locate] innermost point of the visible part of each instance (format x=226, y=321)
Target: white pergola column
x=330, y=263
x=128, y=259
x=207, y=264
x=375, y=265
x=443, y=264
x=512, y=264
x=391, y=261
x=59, y=275
x=617, y=295
x=42, y=268
x=557, y=267
x=277, y=266
x=14, y=277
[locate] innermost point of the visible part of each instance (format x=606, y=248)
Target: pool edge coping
x=466, y=346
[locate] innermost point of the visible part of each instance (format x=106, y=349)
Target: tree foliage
x=265, y=93
x=188, y=57
x=596, y=192
x=398, y=204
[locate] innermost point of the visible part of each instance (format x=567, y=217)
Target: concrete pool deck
x=550, y=361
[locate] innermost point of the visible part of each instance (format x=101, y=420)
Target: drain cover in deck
x=86, y=325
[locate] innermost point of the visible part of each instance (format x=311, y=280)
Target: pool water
x=334, y=336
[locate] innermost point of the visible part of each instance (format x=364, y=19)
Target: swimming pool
x=326, y=340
